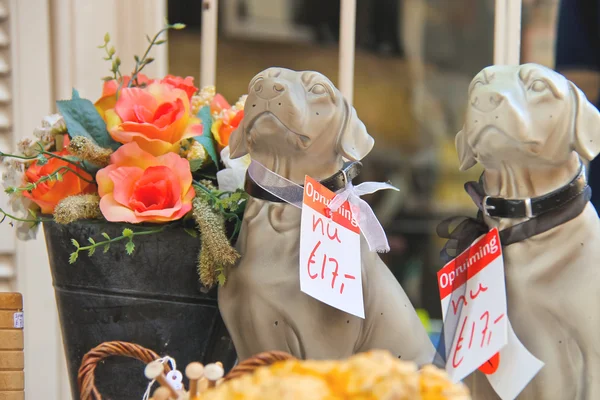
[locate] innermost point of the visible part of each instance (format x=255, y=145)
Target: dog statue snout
x=487, y=101
x=269, y=89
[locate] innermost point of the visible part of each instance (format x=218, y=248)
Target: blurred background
x=414, y=62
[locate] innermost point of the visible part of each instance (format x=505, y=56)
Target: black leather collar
x=335, y=182
x=526, y=208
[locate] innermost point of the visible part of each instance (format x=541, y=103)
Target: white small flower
x=27, y=147
x=12, y=173
x=233, y=176
x=241, y=102
x=55, y=123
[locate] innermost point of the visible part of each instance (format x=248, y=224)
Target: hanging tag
x=18, y=320
x=472, y=289
x=512, y=369
x=330, y=263
x=175, y=379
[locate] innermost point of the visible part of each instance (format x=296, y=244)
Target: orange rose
x=109, y=92
x=187, y=84
x=139, y=187
x=49, y=193
x=157, y=118
x=223, y=127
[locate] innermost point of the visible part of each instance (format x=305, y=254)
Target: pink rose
x=157, y=118
x=187, y=84
x=139, y=187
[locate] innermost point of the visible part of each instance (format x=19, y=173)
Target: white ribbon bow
x=363, y=213
x=292, y=193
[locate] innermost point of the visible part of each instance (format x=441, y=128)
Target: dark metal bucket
x=151, y=298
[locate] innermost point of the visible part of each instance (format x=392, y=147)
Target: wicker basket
x=87, y=386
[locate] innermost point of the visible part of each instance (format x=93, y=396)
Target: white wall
x=54, y=48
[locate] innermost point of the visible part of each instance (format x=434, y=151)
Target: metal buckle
x=486, y=207
x=528, y=208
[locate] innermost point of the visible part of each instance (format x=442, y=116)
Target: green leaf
x=196, y=164
x=191, y=232
x=207, y=139
x=106, y=37
x=92, y=241
x=148, y=39
x=32, y=213
x=106, y=248
x=82, y=119
x=162, y=41
x=129, y=248
x=73, y=257
x=91, y=251
x=106, y=235
x=59, y=177
x=75, y=243
x=41, y=159
x=136, y=58
x=221, y=279
x=127, y=232
x=178, y=26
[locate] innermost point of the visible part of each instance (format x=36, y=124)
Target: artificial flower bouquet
x=149, y=154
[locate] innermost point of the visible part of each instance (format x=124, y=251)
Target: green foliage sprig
x=35, y=220
x=127, y=234
x=141, y=62
x=110, y=56
x=230, y=204
x=57, y=175
x=41, y=160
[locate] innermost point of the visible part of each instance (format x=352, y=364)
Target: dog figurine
x=297, y=123
x=532, y=130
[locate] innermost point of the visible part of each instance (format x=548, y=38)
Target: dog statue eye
x=539, y=86
x=318, y=89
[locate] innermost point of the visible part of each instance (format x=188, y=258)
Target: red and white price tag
x=330, y=263
x=472, y=290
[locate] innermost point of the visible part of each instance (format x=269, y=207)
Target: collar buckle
x=528, y=208
x=486, y=207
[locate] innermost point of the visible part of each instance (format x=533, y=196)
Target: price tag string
x=177, y=375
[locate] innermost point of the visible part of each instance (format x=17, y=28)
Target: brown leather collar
x=526, y=208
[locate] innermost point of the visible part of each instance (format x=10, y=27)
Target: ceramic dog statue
x=297, y=124
x=530, y=128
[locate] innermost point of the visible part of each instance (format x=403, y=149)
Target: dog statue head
x=527, y=116
x=297, y=123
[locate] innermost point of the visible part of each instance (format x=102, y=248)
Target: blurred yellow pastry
x=367, y=376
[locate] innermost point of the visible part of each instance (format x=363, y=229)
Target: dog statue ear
x=586, y=141
x=465, y=154
x=354, y=142
x=237, y=142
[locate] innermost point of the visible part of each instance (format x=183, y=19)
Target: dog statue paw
x=533, y=131
x=297, y=123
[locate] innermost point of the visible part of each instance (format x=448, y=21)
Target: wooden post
x=12, y=377
x=507, y=32
x=208, y=49
x=347, y=44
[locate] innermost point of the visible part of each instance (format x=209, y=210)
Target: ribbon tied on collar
x=292, y=193
x=367, y=221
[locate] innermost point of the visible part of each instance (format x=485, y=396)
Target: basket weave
x=86, y=380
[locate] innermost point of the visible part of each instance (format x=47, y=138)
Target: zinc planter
x=151, y=298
